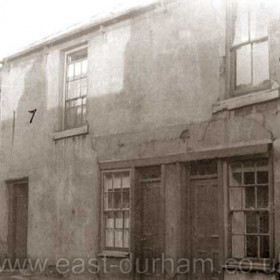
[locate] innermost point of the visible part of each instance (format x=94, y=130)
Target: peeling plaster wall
x=165, y=70
x=62, y=174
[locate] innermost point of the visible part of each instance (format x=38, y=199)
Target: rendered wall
x=152, y=83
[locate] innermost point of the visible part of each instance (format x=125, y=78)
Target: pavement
x=27, y=276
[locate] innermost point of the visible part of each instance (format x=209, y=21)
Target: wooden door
x=206, y=239
x=18, y=217
x=151, y=232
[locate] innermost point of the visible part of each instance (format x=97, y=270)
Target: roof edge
x=108, y=19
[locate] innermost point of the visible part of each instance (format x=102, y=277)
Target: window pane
x=151, y=172
x=108, y=182
x=83, y=87
x=211, y=166
x=259, y=21
x=84, y=67
x=126, y=219
x=236, y=198
x=262, y=172
x=194, y=168
x=251, y=223
x=70, y=90
x=70, y=117
x=249, y=197
x=118, y=238
x=262, y=197
x=238, y=246
x=109, y=220
x=125, y=180
x=111, y=200
x=238, y=223
x=109, y=238
x=260, y=63
x=119, y=219
x=252, y=246
x=84, y=100
x=203, y=167
x=249, y=229
x=108, y=201
x=77, y=88
x=70, y=72
x=72, y=103
x=78, y=69
x=117, y=181
x=243, y=66
x=264, y=246
x=264, y=222
x=236, y=174
x=241, y=28
x=126, y=239
x=77, y=55
x=84, y=113
x=249, y=173
x=125, y=199
x=79, y=115
x=116, y=222
x=117, y=200
x=249, y=178
x=74, y=87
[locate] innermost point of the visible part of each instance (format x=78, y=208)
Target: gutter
x=97, y=23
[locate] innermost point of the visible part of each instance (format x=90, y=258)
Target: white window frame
x=102, y=212
x=66, y=53
x=270, y=208
x=231, y=53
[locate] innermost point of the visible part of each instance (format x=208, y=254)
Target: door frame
x=190, y=211
x=135, y=233
x=11, y=223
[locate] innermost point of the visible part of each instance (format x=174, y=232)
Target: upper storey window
x=250, y=51
x=75, y=88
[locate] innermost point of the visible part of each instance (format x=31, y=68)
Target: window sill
x=246, y=100
x=113, y=254
x=71, y=132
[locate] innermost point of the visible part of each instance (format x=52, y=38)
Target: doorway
x=18, y=221
x=205, y=221
x=149, y=223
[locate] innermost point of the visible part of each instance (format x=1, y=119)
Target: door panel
x=151, y=232
x=18, y=221
x=150, y=237
x=205, y=229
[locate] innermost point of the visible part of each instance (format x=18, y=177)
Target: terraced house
x=147, y=141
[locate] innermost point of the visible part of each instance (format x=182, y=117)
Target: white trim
x=245, y=100
x=74, y=49
x=113, y=254
x=71, y=132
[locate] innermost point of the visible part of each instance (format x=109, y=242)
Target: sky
x=23, y=22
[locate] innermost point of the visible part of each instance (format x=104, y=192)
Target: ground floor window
x=116, y=209
x=249, y=212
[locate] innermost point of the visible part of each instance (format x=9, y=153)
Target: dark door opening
x=18, y=218
x=205, y=221
x=149, y=223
